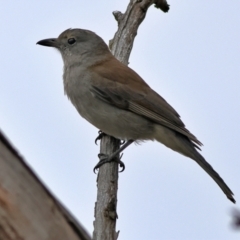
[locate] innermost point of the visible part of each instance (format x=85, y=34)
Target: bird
x=115, y=99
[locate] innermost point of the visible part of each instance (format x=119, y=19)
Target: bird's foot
x=104, y=158
x=101, y=134
x=99, y=137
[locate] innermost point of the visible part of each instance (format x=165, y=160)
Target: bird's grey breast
x=77, y=84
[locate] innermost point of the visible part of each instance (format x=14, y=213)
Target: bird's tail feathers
x=180, y=143
x=216, y=177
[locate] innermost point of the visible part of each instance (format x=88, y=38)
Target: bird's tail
x=183, y=145
x=216, y=177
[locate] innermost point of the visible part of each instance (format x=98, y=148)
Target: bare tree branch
x=236, y=219
x=107, y=181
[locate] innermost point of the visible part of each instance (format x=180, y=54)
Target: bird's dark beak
x=50, y=42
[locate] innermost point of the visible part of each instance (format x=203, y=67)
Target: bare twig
x=128, y=23
x=107, y=181
x=236, y=219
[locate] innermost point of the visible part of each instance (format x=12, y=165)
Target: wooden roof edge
x=70, y=219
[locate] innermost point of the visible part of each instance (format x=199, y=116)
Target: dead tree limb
x=107, y=180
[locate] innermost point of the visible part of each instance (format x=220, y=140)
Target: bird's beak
x=50, y=42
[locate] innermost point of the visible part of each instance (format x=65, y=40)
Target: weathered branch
x=128, y=23
x=107, y=181
x=106, y=205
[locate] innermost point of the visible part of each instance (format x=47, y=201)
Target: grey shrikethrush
x=116, y=100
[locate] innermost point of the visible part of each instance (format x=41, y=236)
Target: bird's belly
x=114, y=121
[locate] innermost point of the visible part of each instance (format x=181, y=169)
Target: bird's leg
x=99, y=137
x=104, y=158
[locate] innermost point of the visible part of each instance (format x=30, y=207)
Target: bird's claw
x=104, y=158
x=99, y=137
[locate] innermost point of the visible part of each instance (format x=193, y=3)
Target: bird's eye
x=71, y=41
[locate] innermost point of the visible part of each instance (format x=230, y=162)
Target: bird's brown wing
x=122, y=87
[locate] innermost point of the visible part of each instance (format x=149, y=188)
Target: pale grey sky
x=190, y=56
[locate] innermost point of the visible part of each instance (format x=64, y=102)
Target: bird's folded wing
x=122, y=87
